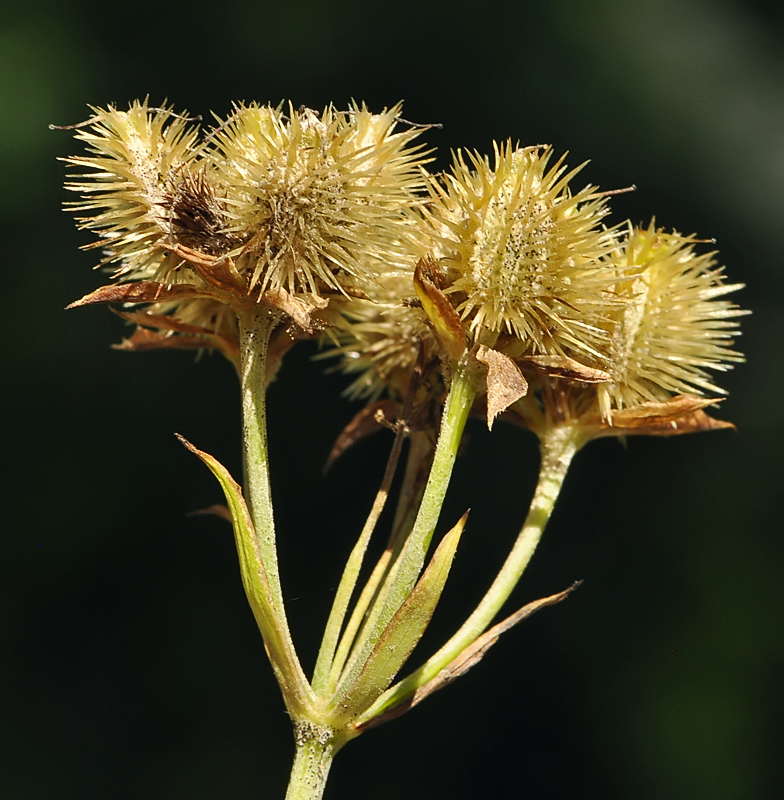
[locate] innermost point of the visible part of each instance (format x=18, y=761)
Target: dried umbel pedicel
x=495, y=289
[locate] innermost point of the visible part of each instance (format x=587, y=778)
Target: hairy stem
x=420, y=457
x=316, y=748
x=255, y=329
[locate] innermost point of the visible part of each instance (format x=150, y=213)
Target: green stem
x=406, y=569
x=458, y=406
x=420, y=455
x=315, y=750
x=558, y=446
x=255, y=330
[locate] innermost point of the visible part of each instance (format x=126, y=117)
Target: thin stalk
x=558, y=446
x=255, y=330
x=355, y=620
x=420, y=450
x=420, y=455
x=406, y=569
x=351, y=572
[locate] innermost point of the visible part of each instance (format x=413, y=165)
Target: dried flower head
x=268, y=208
x=138, y=158
x=316, y=200
x=524, y=252
x=379, y=337
x=673, y=326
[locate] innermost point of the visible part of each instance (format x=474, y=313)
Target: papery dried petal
x=505, y=382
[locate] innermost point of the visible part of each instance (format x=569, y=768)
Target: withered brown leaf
x=443, y=318
x=363, y=424
x=144, y=292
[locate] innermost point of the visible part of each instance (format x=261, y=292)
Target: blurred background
x=131, y=666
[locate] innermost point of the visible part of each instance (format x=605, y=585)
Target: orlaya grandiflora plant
x=494, y=289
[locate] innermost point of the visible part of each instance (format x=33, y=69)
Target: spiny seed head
x=673, y=325
x=271, y=205
x=317, y=200
x=137, y=158
x=198, y=216
x=523, y=250
x=302, y=202
x=380, y=337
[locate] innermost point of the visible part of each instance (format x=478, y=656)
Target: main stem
x=315, y=751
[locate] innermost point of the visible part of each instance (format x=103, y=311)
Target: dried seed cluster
x=671, y=325
x=332, y=222
x=523, y=250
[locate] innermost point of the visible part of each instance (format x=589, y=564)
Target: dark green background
x=130, y=664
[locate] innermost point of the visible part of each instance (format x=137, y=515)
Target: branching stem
x=558, y=446
x=406, y=569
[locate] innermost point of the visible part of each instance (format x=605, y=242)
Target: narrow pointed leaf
x=143, y=339
x=470, y=657
x=406, y=627
x=679, y=415
x=254, y=579
x=144, y=292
